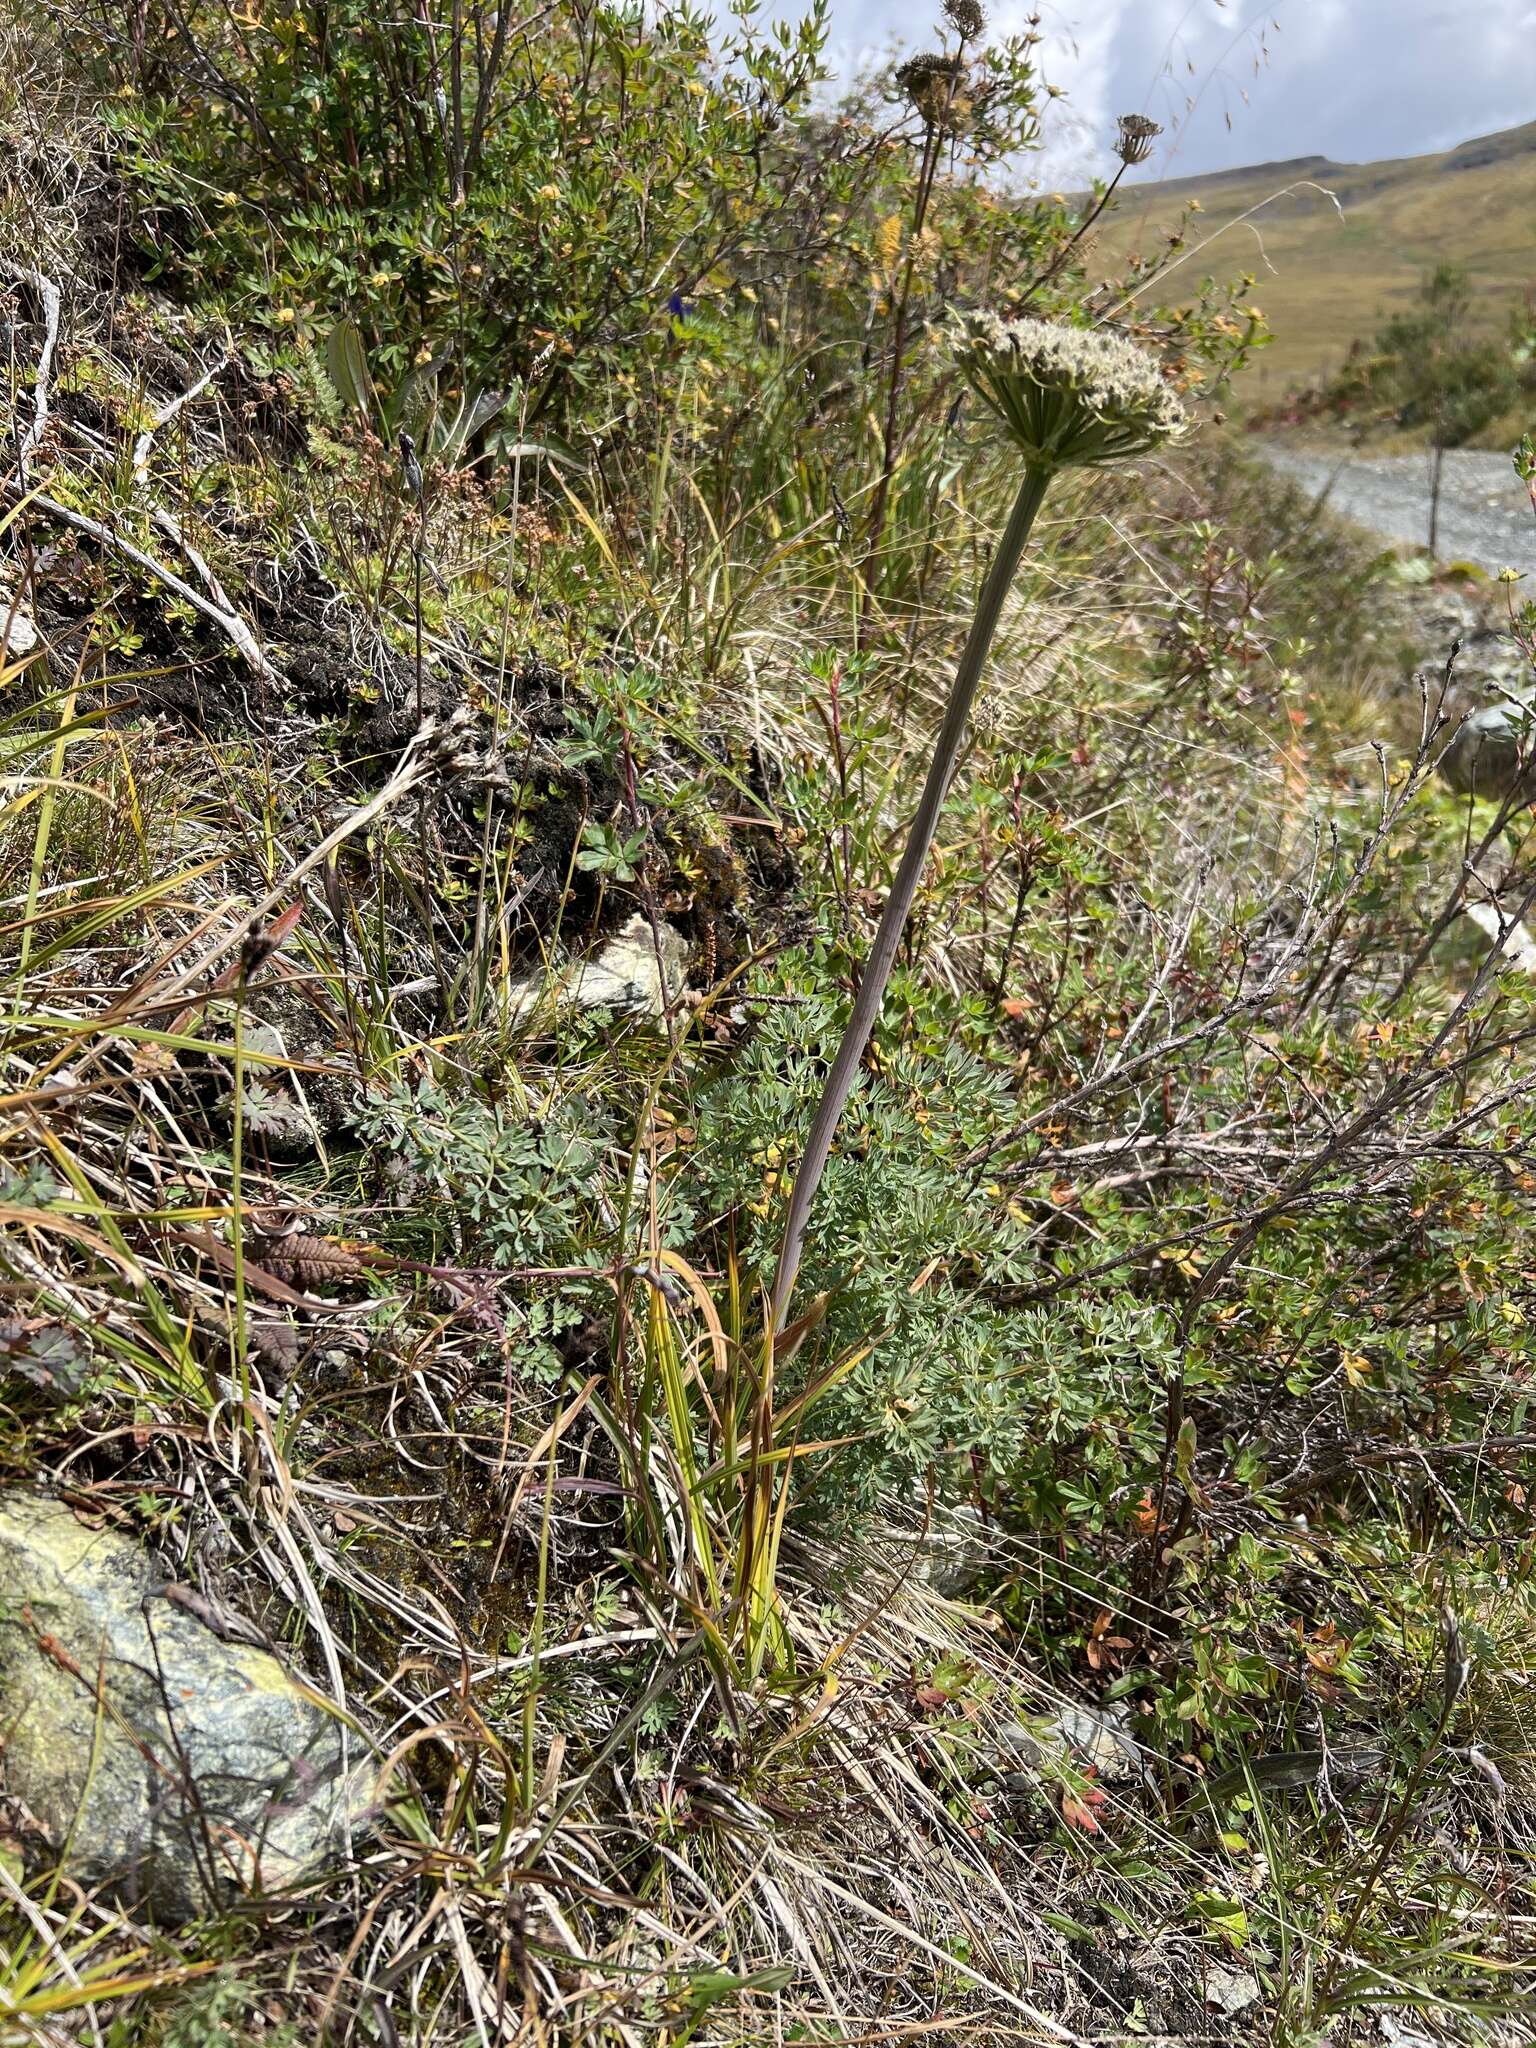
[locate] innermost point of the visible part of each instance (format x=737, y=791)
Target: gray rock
x=204, y=1770
x=626, y=977
x=1491, y=664
x=953, y=1553
x=1493, y=754
x=1230, y=1991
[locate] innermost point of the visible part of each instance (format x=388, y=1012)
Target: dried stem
x=882, y=957
x=30, y=439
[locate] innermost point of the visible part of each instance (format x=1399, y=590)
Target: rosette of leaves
x=47, y=1356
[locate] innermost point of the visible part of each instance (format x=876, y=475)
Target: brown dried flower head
x=934, y=84
x=966, y=17
x=1070, y=397
x=1135, y=135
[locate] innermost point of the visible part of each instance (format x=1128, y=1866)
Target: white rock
x=1519, y=941
x=629, y=976
x=1401, y=2035
x=1230, y=1991
x=1096, y=1738
x=18, y=635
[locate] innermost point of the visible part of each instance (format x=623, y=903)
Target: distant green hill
x=1326, y=279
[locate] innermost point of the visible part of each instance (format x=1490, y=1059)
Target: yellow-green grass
x=1336, y=248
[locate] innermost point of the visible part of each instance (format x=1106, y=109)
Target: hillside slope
x=1337, y=246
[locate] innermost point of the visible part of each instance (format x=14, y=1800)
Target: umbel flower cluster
x=935, y=85
x=1134, y=137
x=1070, y=397
x=966, y=17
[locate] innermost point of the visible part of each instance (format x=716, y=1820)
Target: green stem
x=882, y=957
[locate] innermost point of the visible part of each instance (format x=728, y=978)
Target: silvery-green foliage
x=506, y=1190
x=954, y=1376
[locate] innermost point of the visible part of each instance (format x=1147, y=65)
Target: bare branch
x=167, y=413
x=232, y=627
x=30, y=439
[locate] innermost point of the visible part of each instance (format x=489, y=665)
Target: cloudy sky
x=1237, y=83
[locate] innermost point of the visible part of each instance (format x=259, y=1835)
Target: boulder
x=155, y=1755
x=1493, y=754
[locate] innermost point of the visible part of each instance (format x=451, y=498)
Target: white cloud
x=1242, y=83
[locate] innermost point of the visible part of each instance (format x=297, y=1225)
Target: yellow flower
x=888, y=242
x=549, y=194
x=286, y=316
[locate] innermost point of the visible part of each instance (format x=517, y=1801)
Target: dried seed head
x=446, y=746
x=1069, y=396
x=933, y=83
x=1457, y=1668
x=1135, y=135
x=966, y=17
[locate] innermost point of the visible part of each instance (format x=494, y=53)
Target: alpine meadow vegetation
x=752, y=1073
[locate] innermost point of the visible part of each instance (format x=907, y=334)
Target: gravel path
x=1485, y=515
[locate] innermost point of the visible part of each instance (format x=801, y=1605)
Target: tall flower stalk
x=1068, y=398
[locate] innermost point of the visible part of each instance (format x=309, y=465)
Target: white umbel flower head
x=1069, y=396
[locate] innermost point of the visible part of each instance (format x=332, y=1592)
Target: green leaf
x=1184, y=1453
x=346, y=364
x=1228, y=1916
x=707, y=1987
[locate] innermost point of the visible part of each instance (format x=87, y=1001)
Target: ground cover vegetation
x=486, y=488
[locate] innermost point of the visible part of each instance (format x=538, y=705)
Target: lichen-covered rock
x=953, y=1553
x=630, y=976
x=162, y=1762
x=1088, y=1738
x=1493, y=754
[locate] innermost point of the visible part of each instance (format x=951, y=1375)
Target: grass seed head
x=1070, y=397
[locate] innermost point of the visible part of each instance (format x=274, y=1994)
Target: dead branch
x=232, y=627
x=167, y=413
x=30, y=439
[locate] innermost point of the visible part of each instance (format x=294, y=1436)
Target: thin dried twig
x=30, y=439
x=232, y=627
x=167, y=413
x=245, y=640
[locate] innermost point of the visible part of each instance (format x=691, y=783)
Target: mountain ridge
x=1337, y=247
x=1498, y=146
